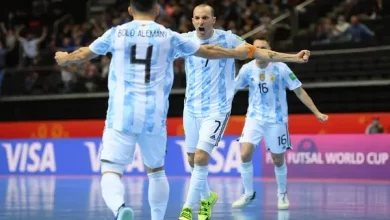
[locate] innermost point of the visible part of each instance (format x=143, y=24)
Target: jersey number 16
x=147, y=61
x=263, y=88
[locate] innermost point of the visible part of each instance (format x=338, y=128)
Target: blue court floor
x=42, y=198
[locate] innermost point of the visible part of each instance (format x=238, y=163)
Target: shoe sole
x=283, y=207
x=242, y=206
x=126, y=214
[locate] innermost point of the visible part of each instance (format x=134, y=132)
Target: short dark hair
x=143, y=5
x=262, y=38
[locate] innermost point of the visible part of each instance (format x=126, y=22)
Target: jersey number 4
x=147, y=61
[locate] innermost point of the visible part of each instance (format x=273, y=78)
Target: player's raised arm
x=273, y=56
x=78, y=56
x=100, y=46
x=217, y=52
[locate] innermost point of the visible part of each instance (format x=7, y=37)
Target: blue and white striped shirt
x=267, y=90
x=141, y=73
x=210, y=83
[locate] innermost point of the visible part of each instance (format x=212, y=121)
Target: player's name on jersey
x=142, y=33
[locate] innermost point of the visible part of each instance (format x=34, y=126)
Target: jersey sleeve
x=292, y=82
x=241, y=80
x=236, y=40
x=183, y=46
x=103, y=44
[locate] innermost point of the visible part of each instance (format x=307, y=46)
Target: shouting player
x=267, y=118
x=209, y=94
x=140, y=80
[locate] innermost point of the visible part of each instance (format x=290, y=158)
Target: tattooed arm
x=272, y=56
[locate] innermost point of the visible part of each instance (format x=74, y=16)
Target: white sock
x=281, y=178
x=197, y=185
x=206, y=191
x=158, y=194
x=113, y=191
x=247, y=177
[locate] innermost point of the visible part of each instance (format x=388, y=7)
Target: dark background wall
x=328, y=100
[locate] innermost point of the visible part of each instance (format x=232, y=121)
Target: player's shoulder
x=227, y=33
x=190, y=34
x=280, y=67
x=247, y=67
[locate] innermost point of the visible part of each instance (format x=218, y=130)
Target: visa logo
x=94, y=155
x=30, y=157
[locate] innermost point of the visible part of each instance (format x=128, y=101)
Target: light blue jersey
x=141, y=73
x=210, y=83
x=267, y=90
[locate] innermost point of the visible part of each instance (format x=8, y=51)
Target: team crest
x=262, y=76
x=273, y=77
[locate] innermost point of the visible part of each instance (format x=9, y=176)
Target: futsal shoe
x=244, y=201
x=283, y=202
x=206, y=205
x=125, y=213
x=186, y=214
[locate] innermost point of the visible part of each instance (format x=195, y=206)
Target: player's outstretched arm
x=217, y=52
x=305, y=99
x=272, y=56
x=78, y=56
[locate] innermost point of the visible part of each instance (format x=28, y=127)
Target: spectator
x=30, y=46
x=341, y=26
x=375, y=127
x=359, y=31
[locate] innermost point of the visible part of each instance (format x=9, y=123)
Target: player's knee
x=153, y=170
x=247, y=152
x=278, y=159
x=110, y=167
x=191, y=159
x=201, y=157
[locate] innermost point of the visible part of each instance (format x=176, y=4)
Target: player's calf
x=246, y=171
x=112, y=188
x=281, y=179
x=158, y=192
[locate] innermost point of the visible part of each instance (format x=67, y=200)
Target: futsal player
x=140, y=80
x=267, y=118
x=209, y=94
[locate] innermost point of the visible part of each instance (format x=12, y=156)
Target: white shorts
x=118, y=147
x=276, y=136
x=203, y=131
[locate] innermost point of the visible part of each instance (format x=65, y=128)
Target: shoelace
x=204, y=208
x=186, y=213
x=284, y=196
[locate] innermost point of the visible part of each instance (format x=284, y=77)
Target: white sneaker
x=283, y=202
x=244, y=201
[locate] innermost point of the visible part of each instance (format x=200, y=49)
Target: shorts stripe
x=288, y=136
x=222, y=128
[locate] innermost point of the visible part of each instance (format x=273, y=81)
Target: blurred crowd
x=346, y=25
x=29, y=44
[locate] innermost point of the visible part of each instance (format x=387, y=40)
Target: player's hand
x=322, y=117
x=61, y=58
x=242, y=51
x=302, y=56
